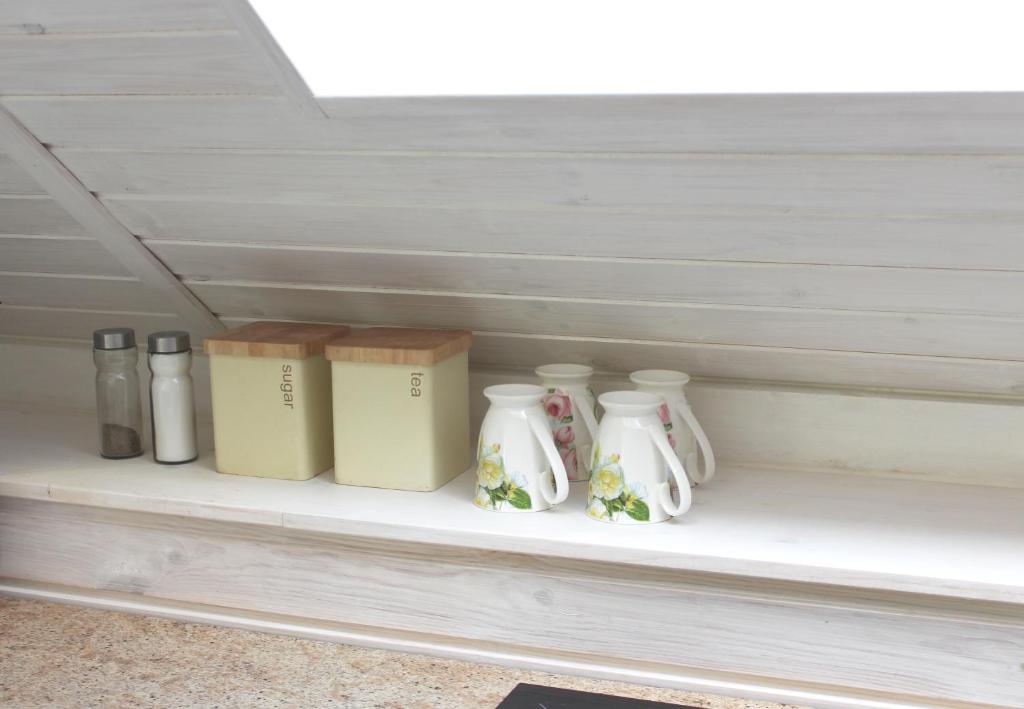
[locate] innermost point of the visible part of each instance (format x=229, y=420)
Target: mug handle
x=660, y=438
x=589, y=419
x=542, y=430
x=702, y=440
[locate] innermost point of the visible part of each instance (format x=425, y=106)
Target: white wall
x=852, y=244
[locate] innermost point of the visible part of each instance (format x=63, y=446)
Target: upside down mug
x=570, y=406
x=518, y=468
x=633, y=463
x=685, y=439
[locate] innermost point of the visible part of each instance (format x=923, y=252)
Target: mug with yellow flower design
x=633, y=463
x=518, y=467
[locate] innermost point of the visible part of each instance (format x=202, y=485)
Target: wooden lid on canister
x=400, y=345
x=285, y=340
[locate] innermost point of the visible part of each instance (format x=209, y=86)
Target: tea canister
x=272, y=399
x=401, y=407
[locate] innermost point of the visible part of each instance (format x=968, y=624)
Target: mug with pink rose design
x=685, y=434
x=570, y=401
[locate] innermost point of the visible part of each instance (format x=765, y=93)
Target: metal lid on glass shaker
x=168, y=342
x=113, y=338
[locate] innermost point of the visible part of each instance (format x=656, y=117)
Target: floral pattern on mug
x=666, y=421
x=610, y=496
x=558, y=407
x=495, y=486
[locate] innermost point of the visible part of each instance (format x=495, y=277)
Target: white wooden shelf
x=870, y=533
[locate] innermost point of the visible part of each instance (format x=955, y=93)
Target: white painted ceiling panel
x=857, y=240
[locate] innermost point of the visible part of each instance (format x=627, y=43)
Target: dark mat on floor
x=535, y=696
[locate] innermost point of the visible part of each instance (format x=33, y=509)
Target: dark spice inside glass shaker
x=119, y=441
x=118, y=402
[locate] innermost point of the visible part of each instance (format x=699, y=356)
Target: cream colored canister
x=271, y=391
x=401, y=407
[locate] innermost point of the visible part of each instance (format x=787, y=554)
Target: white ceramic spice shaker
x=171, y=399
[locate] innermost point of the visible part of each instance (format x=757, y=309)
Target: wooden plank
x=70, y=194
x=267, y=51
x=958, y=242
x=216, y=121
x=764, y=364
x=183, y=63
x=14, y=180
x=904, y=123
x=398, y=587
x=30, y=321
x=444, y=647
x=940, y=376
x=59, y=291
x=37, y=214
x=57, y=254
x=852, y=123
x=804, y=286
x=62, y=16
x=778, y=184
x=957, y=543
x=900, y=333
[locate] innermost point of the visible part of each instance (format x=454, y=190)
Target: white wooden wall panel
x=983, y=241
x=772, y=234
x=856, y=123
x=183, y=63
x=213, y=121
x=803, y=286
x=944, y=335
x=80, y=203
x=61, y=16
x=14, y=180
x=520, y=352
x=79, y=324
x=36, y=214
x=815, y=184
x=771, y=429
x=766, y=364
x=57, y=254
x=861, y=123
x=103, y=292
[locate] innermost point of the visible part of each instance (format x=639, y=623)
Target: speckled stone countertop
x=66, y=656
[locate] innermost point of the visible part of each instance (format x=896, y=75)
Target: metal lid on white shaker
x=168, y=342
x=113, y=338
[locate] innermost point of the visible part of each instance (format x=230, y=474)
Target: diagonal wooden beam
x=262, y=43
x=98, y=222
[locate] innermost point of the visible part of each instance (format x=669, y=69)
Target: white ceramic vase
x=633, y=463
x=684, y=431
x=518, y=468
x=570, y=405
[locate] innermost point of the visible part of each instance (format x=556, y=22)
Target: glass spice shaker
x=118, y=406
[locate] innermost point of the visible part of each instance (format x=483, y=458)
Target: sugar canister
x=271, y=395
x=401, y=407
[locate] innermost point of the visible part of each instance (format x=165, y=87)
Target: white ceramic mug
x=633, y=462
x=569, y=401
x=516, y=455
x=677, y=412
